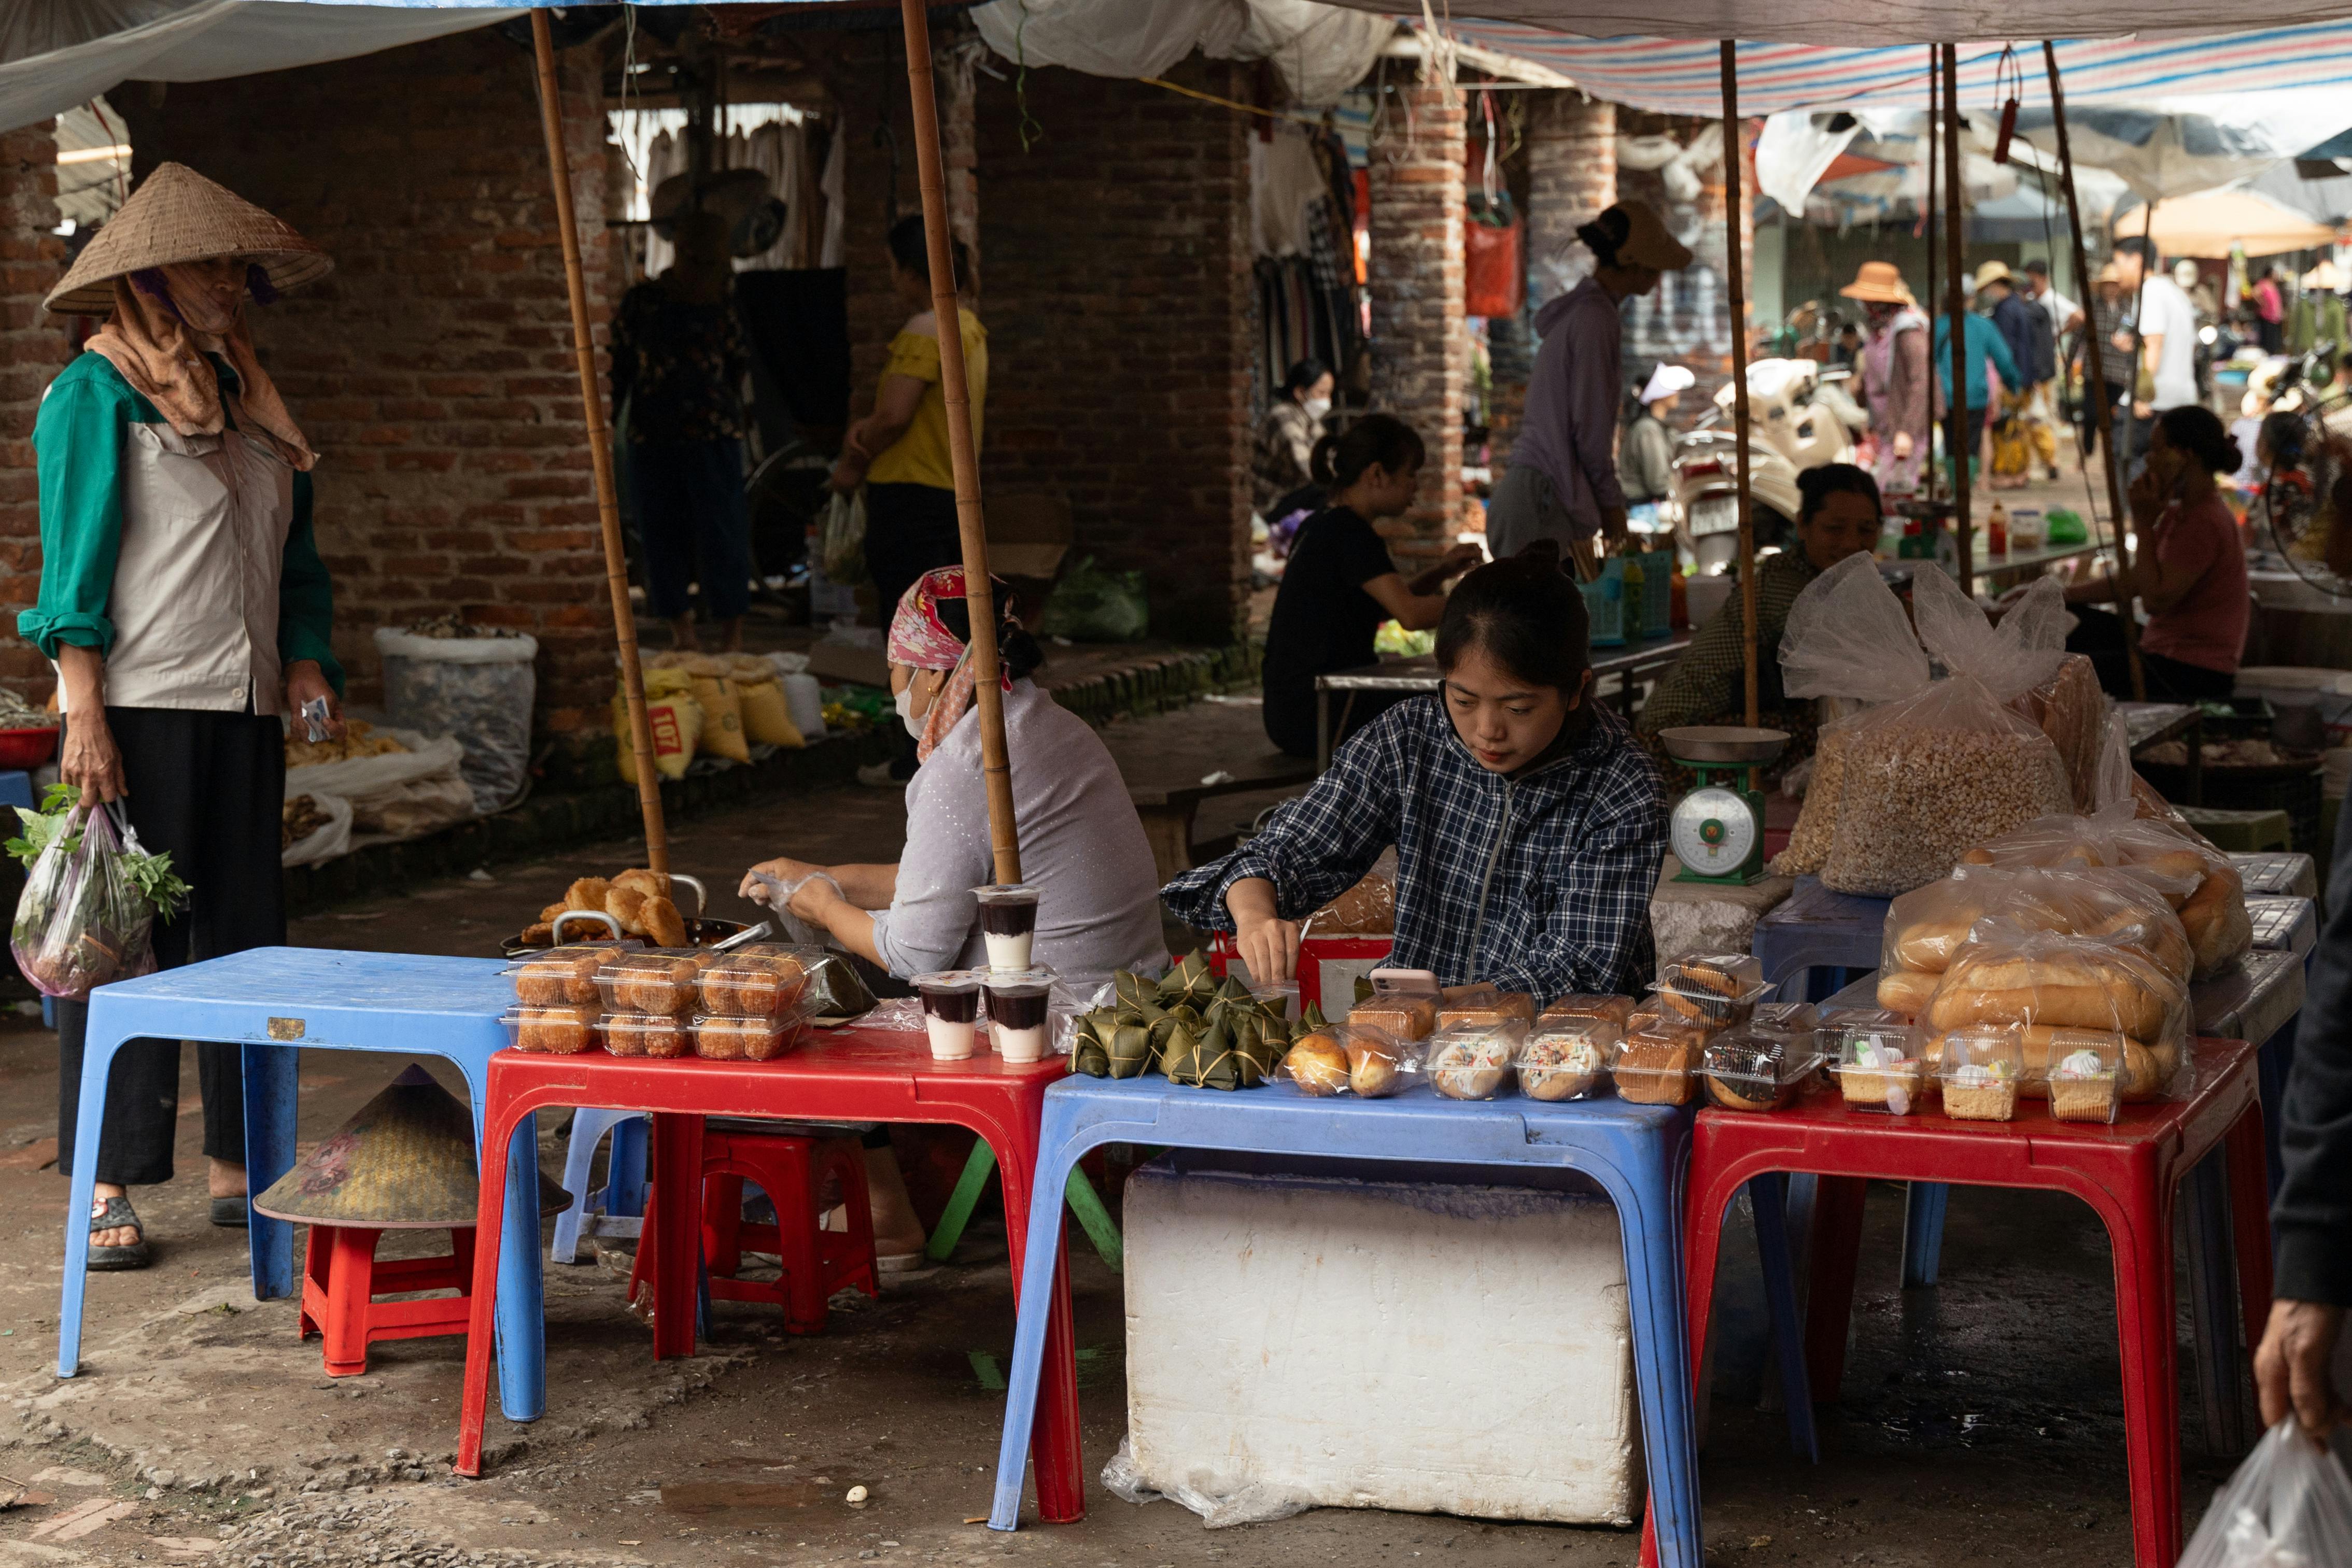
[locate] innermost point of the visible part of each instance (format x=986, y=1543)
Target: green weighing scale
x=1717, y=830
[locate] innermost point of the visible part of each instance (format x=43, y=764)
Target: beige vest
x=195, y=602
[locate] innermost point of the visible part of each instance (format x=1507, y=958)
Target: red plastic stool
x=794, y=1172
x=341, y=1279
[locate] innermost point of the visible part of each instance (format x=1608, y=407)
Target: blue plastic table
x=1634, y=1152
x=272, y=1000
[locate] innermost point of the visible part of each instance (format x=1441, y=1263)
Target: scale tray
x=1723, y=743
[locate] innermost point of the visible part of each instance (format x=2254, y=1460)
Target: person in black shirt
x=1340, y=584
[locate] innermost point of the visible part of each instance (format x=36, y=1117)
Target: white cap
x=1665, y=382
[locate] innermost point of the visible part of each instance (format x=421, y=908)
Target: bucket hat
x=1878, y=283
x=1647, y=241
x=178, y=215
x=1995, y=272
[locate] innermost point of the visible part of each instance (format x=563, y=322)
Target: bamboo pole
x=600, y=453
x=2094, y=371
x=1734, y=176
x=979, y=598
x=1956, y=252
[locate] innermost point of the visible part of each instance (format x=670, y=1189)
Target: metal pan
x=591, y=924
x=1723, y=743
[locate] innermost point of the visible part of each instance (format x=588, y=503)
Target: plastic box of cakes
x=749, y=1004
x=1758, y=1068
x=1474, y=1060
x=1880, y=1066
x=1567, y=1058
x=1979, y=1072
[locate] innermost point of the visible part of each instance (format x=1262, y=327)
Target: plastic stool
x=1078, y=1192
x=791, y=1171
x=341, y=1279
x=2242, y=832
x=616, y=1208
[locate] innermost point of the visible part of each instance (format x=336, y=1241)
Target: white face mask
x=905, y=700
x=1316, y=407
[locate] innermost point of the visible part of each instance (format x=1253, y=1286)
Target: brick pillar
x=1419, y=357
x=1572, y=175
x=32, y=345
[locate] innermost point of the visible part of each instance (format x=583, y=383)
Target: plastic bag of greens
x=91, y=899
x=2289, y=1506
x=841, y=541
x=1091, y=605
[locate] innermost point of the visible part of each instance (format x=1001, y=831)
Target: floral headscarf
x=920, y=640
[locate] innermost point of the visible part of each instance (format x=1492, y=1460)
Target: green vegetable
x=165, y=893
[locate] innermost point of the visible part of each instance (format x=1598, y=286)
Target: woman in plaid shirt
x=1528, y=827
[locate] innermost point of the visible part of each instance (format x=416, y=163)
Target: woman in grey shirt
x=1082, y=844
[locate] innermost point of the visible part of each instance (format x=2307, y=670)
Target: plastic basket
x=1657, y=592
x=1604, y=604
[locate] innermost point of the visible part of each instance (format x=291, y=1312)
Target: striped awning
x=1678, y=76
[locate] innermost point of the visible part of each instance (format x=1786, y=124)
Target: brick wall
x=434, y=371
x=1420, y=356
x=32, y=346
x=1117, y=308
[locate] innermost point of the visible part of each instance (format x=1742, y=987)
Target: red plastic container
x=25, y=750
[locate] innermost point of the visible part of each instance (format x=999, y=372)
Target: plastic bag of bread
x=1351, y=1059
x=1472, y=1060
x=1928, y=925
x=2049, y=984
x=2196, y=879
x=1847, y=637
x=2071, y=709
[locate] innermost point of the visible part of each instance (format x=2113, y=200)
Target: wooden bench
x=1168, y=812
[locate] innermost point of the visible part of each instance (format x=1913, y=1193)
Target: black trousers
x=2100, y=634
x=208, y=790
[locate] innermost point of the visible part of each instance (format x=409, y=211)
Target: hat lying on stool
x=404, y=1162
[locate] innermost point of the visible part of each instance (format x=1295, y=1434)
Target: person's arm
x=2311, y=1219
x=1419, y=605
x=1709, y=679
x=1907, y=389
x=1997, y=349
x=306, y=618
x=1593, y=395
x=1312, y=850
x=932, y=913
x=1596, y=936
x=78, y=439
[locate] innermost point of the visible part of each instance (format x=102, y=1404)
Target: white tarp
x=1321, y=50
x=56, y=54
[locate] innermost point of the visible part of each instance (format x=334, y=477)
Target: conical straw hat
x=404, y=1162
x=176, y=214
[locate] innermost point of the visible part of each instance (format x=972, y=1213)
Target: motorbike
x=1800, y=416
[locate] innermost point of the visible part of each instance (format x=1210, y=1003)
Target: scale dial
x=1713, y=832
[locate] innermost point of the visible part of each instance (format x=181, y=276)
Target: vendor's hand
x=783, y=869
x=305, y=682
x=2145, y=499
x=2294, y=1367
x=1613, y=523
x=1901, y=443
x=1269, y=946
x=90, y=758
x=2143, y=409
x=847, y=475
x=1460, y=559
x=2123, y=341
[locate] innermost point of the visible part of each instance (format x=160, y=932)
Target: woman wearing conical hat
x=185, y=605
x=1894, y=373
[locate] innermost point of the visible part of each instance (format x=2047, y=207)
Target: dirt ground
x=1981, y=1420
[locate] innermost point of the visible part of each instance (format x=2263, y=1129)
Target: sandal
x=230, y=1212
x=116, y=1214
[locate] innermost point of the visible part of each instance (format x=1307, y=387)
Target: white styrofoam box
x=1434, y=1349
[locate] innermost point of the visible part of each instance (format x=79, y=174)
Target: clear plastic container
x=764, y=983
x=562, y=976
x=563, y=1030
x=1880, y=1067
x=1979, y=1072
x=1280, y=998
x=1588, y=1005
x=951, y=999
x=1750, y=1070
x=663, y=980
x=1008, y=924
x=1568, y=1060
x=1472, y=1060
x=2086, y=1084
x=747, y=1039
x=1484, y=1005
x=1719, y=991
x=1018, y=1006
x=1658, y=1065
x=1403, y=1002
x=647, y=1034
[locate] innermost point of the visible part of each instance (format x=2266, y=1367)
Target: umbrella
x=2161, y=155
x=2211, y=223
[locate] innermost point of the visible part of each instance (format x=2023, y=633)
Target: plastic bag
x=2289, y=1506
x=841, y=541
x=1847, y=638
x=672, y=716
x=328, y=820
x=82, y=920
x=776, y=893
x=2071, y=709
x=2196, y=879
x=1092, y=605
x=2062, y=989
x=478, y=690
x=1926, y=927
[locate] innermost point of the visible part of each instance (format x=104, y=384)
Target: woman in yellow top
x=899, y=452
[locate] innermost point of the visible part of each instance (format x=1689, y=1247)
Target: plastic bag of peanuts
x=1847, y=639
x=1928, y=776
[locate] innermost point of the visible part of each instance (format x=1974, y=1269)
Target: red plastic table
x=842, y=1075
x=2128, y=1173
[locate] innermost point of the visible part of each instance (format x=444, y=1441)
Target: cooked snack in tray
x=1471, y=1061
x=563, y=975
x=1716, y=992
x=1906, y=991
x=1563, y=1060
x=645, y=1034
x=763, y=983
x=1588, y=1005
x=1379, y=1064
x=1981, y=1071
x=746, y=1039
x=1658, y=1067
x=2086, y=1085
x=1881, y=1068
x=1745, y=1070
x=564, y=1031
x=1485, y=1004
x=1405, y=1016
x=652, y=982
x=2058, y=983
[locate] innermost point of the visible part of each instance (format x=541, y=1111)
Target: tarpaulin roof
x=2209, y=223
x=1685, y=77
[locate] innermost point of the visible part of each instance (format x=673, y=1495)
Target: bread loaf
x=2068, y=987
x=1906, y=991
x=2219, y=930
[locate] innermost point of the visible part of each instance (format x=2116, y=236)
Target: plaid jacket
x=1538, y=883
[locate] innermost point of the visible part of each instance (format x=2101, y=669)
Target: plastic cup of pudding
x=1008, y=920
x=951, y=1011
x=1017, y=1008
